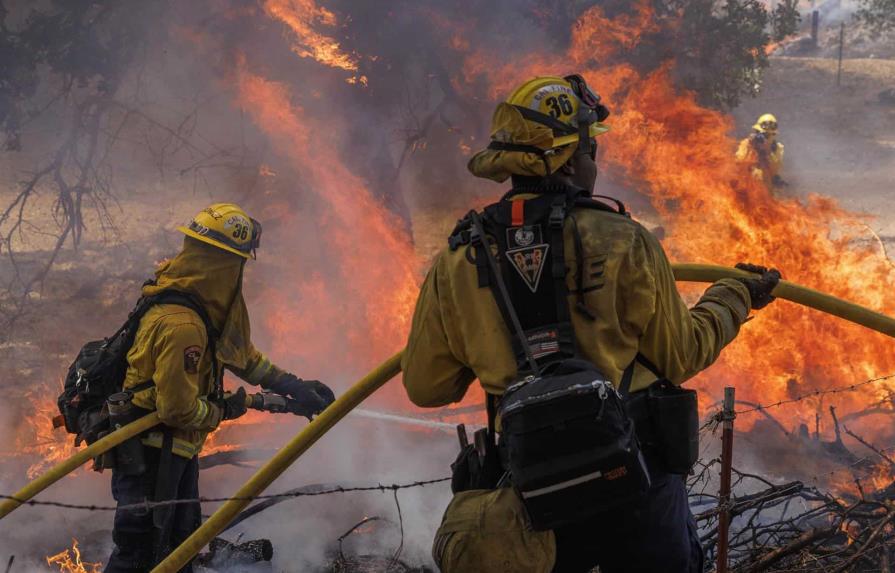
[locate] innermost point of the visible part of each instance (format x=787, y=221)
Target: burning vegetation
x=346, y=127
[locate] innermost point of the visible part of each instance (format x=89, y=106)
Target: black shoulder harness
x=529, y=237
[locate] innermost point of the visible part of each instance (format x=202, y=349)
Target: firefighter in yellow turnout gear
x=172, y=350
x=626, y=314
x=762, y=152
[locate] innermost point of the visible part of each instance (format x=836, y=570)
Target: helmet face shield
x=584, y=93
x=766, y=124
x=587, y=96
x=256, y=235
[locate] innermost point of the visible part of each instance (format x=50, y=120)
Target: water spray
x=360, y=392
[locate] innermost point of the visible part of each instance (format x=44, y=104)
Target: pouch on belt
x=667, y=421
x=487, y=531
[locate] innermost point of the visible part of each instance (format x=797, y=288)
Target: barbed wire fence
x=150, y=505
x=776, y=523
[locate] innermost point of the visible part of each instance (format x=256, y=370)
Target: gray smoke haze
x=190, y=140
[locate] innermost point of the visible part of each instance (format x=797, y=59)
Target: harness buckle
x=457, y=240
x=557, y=215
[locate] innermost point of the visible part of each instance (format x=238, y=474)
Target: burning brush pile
x=368, y=115
x=820, y=523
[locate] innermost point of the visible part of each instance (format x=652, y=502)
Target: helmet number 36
x=241, y=228
x=559, y=105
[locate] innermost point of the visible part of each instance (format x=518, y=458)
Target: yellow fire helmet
x=226, y=226
x=766, y=124
x=536, y=129
x=566, y=105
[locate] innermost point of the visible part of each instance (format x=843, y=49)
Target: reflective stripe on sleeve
x=261, y=369
x=201, y=413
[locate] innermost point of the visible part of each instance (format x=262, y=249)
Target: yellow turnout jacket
x=765, y=160
x=458, y=334
x=171, y=345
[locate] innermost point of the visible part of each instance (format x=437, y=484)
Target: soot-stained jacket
x=458, y=334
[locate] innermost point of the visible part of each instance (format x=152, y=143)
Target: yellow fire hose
x=99, y=447
x=63, y=468
x=280, y=463
x=363, y=389
x=795, y=293
x=373, y=381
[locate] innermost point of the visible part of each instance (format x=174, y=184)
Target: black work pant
x=141, y=541
x=659, y=535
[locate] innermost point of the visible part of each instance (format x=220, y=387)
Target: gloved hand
x=760, y=288
x=234, y=405
x=309, y=397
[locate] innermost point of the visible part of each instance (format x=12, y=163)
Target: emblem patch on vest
x=527, y=253
x=191, y=356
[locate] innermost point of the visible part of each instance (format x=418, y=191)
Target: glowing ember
x=69, y=561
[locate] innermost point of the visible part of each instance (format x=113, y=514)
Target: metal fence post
x=727, y=416
x=815, y=24
x=841, y=45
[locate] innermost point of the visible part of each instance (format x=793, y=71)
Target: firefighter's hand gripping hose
x=280, y=463
x=794, y=293
x=373, y=381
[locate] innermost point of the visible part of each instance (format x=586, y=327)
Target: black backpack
x=567, y=442
x=101, y=365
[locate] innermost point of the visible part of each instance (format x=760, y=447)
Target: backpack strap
x=624, y=387
x=142, y=386
x=499, y=288
x=491, y=402
x=555, y=224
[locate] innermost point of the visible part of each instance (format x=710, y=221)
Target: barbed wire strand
x=709, y=425
x=147, y=505
x=816, y=393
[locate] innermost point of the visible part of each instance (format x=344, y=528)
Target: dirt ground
x=840, y=140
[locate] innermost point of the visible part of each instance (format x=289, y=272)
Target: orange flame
x=662, y=143
x=301, y=16
x=365, y=318
x=681, y=156
x=37, y=437
x=69, y=561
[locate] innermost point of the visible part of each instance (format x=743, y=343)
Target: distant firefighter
x=763, y=152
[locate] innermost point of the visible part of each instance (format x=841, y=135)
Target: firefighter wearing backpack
x=174, y=349
x=553, y=300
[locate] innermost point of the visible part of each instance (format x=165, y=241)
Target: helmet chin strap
x=584, y=121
